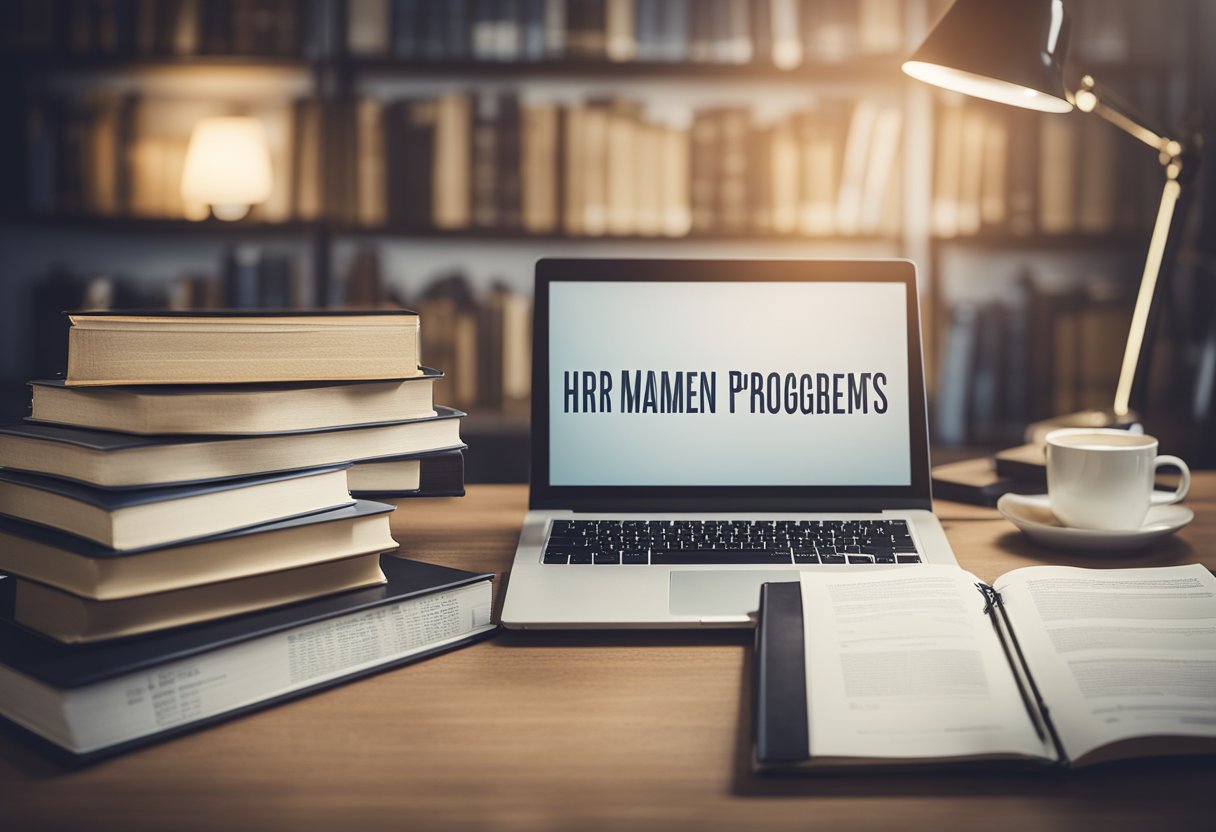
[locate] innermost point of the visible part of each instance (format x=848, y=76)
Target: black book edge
x=71, y=759
x=1025, y=472
x=985, y=495
x=782, y=730
x=423, y=455
x=406, y=495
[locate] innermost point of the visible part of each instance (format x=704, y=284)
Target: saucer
x=1032, y=514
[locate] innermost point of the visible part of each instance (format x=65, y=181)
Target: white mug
x=1103, y=479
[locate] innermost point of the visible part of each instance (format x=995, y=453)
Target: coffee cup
x=1103, y=479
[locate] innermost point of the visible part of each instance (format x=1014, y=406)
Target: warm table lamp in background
x=1012, y=52
x=227, y=167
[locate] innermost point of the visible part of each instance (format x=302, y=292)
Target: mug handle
x=1158, y=499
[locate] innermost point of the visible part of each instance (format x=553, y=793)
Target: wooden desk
x=576, y=731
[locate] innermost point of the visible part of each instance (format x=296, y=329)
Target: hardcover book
x=90, y=570
x=1047, y=666
x=117, y=460
x=74, y=620
x=87, y=702
x=219, y=409
x=976, y=481
x=158, y=516
x=234, y=346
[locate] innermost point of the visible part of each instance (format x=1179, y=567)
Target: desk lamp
x=1012, y=52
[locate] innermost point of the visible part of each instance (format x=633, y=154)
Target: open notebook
x=1050, y=665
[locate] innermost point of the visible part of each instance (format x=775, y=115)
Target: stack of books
x=185, y=487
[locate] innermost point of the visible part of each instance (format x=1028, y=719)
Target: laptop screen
x=721, y=383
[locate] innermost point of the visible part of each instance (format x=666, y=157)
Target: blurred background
x=426, y=152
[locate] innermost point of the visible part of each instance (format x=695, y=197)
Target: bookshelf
x=341, y=53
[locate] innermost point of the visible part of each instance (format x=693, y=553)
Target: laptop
x=701, y=427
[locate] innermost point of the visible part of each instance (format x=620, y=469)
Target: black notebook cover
x=71, y=666
x=782, y=722
x=91, y=549
x=111, y=499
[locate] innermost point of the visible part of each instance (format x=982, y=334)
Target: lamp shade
x=1010, y=51
x=227, y=166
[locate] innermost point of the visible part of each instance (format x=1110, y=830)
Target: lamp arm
x=1170, y=153
x=1170, y=194
x=1091, y=98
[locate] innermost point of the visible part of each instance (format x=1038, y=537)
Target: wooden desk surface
x=576, y=731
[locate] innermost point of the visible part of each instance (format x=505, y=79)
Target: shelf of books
x=468, y=128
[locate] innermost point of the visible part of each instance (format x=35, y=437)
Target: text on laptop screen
x=728, y=384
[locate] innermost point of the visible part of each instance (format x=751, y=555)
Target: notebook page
x=905, y=664
x=1118, y=653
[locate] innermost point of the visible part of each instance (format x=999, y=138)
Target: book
x=508, y=162
x=621, y=156
x=1047, y=666
x=505, y=344
x=971, y=164
x=620, y=43
x=705, y=171
x=675, y=209
x=586, y=24
x=1023, y=170
x=821, y=145
x=306, y=168
x=367, y=27
x=538, y=174
x=1024, y=463
x=976, y=481
x=408, y=20
x=71, y=619
x=227, y=346
x=787, y=45
x=857, y=157
x=994, y=187
x=87, y=702
x=947, y=170
x=370, y=162
x=451, y=161
x=731, y=208
x=484, y=173
x=116, y=460
x=439, y=474
x=218, y=409
x=880, y=188
x=1059, y=155
x=91, y=570
x=157, y=516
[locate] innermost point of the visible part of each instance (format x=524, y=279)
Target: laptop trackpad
x=720, y=592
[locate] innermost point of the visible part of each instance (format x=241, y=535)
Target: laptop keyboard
x=680, y=542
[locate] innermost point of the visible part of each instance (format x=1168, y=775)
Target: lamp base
x=1036, y=432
